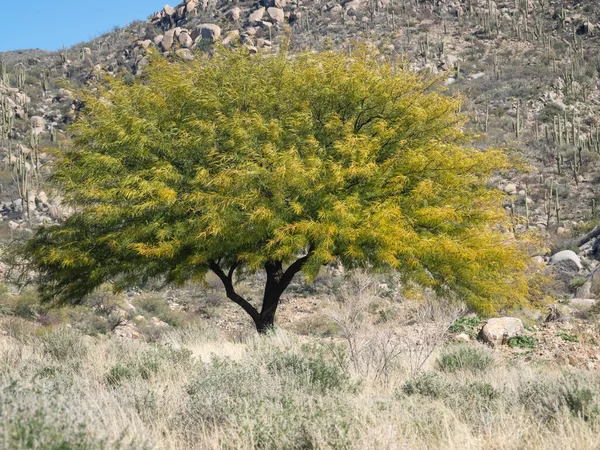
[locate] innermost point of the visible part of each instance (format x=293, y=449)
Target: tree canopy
x=279, y=163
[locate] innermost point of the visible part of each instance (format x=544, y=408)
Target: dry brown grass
x=197, y=389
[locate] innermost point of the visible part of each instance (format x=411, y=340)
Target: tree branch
x=229, y=289
x=295, y=267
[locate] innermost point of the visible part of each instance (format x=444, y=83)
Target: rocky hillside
x=528, y=70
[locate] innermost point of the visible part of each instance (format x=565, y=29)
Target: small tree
x=239, y=162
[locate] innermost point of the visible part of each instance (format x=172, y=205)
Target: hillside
x=528, y=72
x=357, y=360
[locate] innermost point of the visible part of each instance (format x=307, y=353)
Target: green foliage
x=250, y=160
x=464, y=325
x=278, y=409
x=568, y=337
x=548, y=397
x=26, y=305
x=117, y=374
x=313, y=365
x=465, y=358
x=576, y=283
x=156, y=306
x=522, y=342
x=38, y=416
x=428, y=384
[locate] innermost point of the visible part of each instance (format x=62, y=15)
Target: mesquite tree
x=277, y=163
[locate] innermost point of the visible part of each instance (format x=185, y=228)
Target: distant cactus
x=4, y=73
x=6, y=117
x=20, y=75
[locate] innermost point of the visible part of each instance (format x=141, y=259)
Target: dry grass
x=384, y=378
x=196, y=389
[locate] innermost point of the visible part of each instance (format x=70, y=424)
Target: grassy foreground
x=60, y=389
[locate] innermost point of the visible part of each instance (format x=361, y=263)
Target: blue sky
x=52, y=24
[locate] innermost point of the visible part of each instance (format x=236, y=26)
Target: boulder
x=37, y=124
x=539, y=260
x=567, y=259
x=233, y=14
x=42, y=197
x=168, y=10
x=256, y=16
x=142, y=63
x=232, y=36
x=276, y=14
x=185, y=53
x=500, y=330
x=191, y=6
x=352, y=6
x=185, y=40
x=583, y=303
x=167, y=41
x=336, y=10
x=208, y=31
x=462, y=337
x=510, y=188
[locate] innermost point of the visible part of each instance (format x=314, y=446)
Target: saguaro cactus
x=6, y=117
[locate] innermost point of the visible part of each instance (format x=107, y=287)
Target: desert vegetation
x=400, y=197
x=196, y=387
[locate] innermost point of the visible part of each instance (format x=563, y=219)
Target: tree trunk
x=277, y=282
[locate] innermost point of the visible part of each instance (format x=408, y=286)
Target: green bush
x=465, y=358
x=263, y=410
x=30, y=423
x=25, y=305
x=428, y=384
x=581, y=401
x=464, y=324
x=157, y=306
x=311, y=365
x=522, y=342
x=117, y=374
x=576, y=283
x=148, y=364
x=547, y=398
x=568, y=337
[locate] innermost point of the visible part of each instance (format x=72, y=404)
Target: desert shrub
x=464, y=325
x=222, y=388
x=465, y=358
x=522, y=342
x=148, y=363
x=576, y=283
x=156, y=358
x=25, y=305
x=157, y=306
x=260, y=412
x=568, y=337
x=429, y=384
x=546, y=398
x=38, y=416
x=563, y=190
x=296, y=425
x=550, y=111
x=117, y=374
x=63, y=344
x=580, y=400
x=312, y=365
